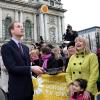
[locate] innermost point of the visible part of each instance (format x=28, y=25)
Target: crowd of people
x=74, y=58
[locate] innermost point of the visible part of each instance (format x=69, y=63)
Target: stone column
x=62, y=24
x=21, y=16
x=59, y=29
x=41, y=24
x=16, y=16
x=46, y=28
x=0, y=23
x=35, y=28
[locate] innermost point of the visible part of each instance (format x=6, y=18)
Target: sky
x=82, y=14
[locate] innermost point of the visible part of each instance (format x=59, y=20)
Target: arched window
x=28, y=30
x=7, y=21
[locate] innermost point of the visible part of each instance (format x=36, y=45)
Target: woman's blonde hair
x=86, y=43
x=34, y=51
x=56, y=52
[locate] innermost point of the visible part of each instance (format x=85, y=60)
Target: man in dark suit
x=17, y=61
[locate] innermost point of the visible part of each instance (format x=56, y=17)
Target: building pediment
x=9, y=5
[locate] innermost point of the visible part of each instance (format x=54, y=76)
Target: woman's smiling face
x=71, y=50
x=79, y=44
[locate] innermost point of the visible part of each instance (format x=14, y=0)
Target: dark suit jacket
x=18, y=66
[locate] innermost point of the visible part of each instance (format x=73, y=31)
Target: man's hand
x=37, y=70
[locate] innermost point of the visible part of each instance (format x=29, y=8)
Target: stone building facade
x=36, y=23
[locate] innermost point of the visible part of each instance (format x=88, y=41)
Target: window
x=28, y=30
x=51, y=2
x=7, y=21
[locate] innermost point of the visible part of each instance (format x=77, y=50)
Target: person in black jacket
x=70, y=34
x=48, y=60
x=70, y=51
x=57, y=53
x=16, y=59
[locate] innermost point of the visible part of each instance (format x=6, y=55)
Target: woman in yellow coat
x=84, y=65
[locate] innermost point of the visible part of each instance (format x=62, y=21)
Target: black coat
x=70, y=37
x=18, y=65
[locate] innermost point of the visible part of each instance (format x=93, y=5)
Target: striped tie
x=20, y=47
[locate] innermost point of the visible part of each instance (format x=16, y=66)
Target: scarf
x=45, y=59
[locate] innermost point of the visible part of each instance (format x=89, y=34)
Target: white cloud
x=82, y=14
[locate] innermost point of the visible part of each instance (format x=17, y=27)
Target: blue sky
x=82, y=14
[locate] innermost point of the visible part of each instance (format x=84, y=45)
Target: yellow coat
x=84, y=67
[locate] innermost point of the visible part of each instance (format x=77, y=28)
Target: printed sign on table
x=50, y=87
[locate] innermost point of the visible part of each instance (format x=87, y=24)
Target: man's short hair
x=11, y=26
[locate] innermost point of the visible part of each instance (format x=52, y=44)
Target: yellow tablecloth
x=50, y=87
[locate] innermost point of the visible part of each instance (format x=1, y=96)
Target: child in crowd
x=79, y=86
